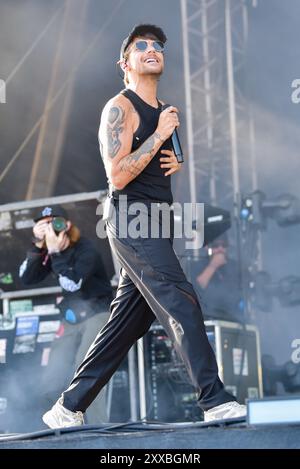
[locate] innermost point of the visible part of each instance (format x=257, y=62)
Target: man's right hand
x=168, y=121
x=39, y=231
x=218, y=259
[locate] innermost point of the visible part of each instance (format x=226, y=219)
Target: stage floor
x=235, y=435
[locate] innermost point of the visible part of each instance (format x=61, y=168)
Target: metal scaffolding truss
x=219, y=125
x=70, y=51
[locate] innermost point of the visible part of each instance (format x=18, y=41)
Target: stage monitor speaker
x=284, y=410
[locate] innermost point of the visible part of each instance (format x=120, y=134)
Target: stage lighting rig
x=255, y=209
x=286, y=290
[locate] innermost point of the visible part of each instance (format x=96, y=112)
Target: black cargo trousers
x=152, y=286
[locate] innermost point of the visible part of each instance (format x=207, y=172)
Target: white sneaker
x=229, y=410
x=59, y=416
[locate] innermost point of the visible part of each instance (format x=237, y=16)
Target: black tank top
x=150, y=184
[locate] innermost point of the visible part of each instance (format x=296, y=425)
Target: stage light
x=251, y=209
x=288, y=210
x=263, y=290
x=244, y=213
x=273, y=410
x=255, y=208
x=288, y=291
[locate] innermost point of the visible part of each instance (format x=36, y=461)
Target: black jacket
x=79, y=269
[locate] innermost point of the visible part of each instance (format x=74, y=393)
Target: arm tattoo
x=115, y=127
x=146, y=147
x=132, y=164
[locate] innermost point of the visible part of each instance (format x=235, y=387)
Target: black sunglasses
x=143, y=45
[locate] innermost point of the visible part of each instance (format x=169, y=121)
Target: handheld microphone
x=175, y=141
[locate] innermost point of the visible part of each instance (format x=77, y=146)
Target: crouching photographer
x=58, y=249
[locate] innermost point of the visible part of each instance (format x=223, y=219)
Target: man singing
x=135, y=145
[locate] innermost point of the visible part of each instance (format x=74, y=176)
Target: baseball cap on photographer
x=52, y=211
x=141, y=30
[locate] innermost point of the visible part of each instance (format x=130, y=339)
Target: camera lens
x=59, y=224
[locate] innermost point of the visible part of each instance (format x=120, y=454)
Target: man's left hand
x=170, y=161
x=56, y=243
